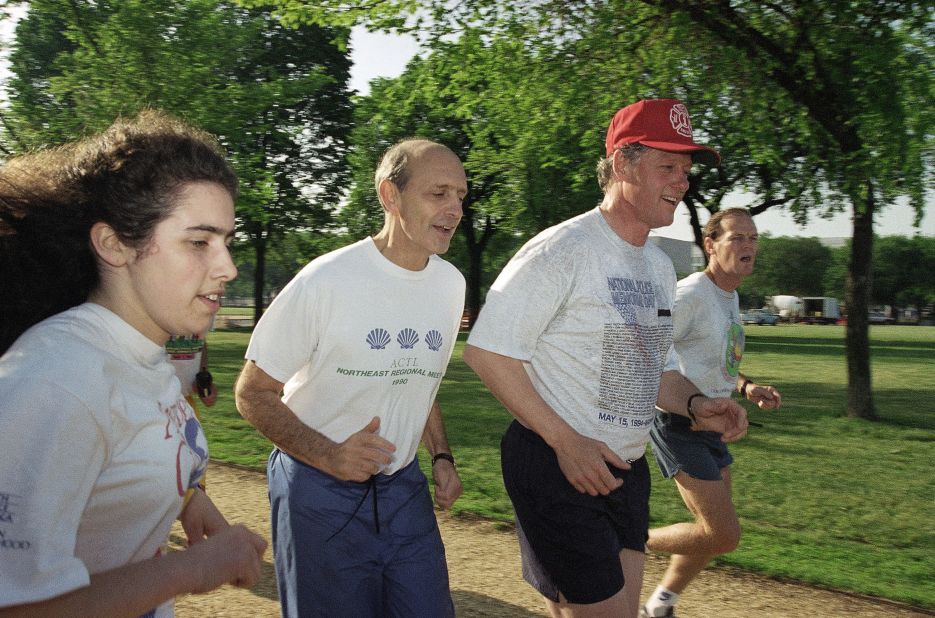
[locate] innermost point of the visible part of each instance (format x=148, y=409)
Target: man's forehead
x=435, y=154
x=739, y=223
x=674, y=157
x=438, y=166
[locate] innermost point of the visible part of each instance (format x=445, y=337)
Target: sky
x=384, y=55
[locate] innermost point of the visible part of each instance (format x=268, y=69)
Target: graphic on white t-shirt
x=182, y=425
x=634, y=352
x=627, y=294
x=734, y=352
x=407, y=339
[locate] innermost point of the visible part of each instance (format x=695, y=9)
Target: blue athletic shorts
x=355, y=549
x=570, y=541
x=700, y=454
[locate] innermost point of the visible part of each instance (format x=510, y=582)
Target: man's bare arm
x=356, y=459
x=581, y=459
x=720, y=414
x=447, y=482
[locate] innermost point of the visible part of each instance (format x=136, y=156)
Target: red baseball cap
x=662, y=124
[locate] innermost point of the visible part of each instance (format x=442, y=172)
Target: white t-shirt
x=98, y=449
x=354, y=336
x=590, y=315
x=709, y=338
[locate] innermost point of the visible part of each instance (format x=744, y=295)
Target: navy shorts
x=700, y=454
x=570, y=541
x=340, y=552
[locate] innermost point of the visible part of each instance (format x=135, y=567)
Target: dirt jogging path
x=484, y=568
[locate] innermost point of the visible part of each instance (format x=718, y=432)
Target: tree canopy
x=277, y=97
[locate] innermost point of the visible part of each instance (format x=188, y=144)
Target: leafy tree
x=836, y=275
x=32, y=72
x=384, y=14
x=294, y=141
x=276, y=96
x=787, y=265
x=903, y=271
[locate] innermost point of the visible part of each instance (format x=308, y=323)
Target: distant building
x=685, y=255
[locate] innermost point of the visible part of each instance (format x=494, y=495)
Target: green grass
x=230, y=437
x=824, y=499
x=235, y=311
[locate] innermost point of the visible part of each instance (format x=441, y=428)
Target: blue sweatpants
x=356, y=549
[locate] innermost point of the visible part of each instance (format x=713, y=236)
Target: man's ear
x=708, y=245
x=389, y=196
x=621, y=165
x=107, y=245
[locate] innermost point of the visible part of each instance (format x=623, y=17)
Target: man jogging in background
x=709, y=344
x=573, y=341
x=358, y=343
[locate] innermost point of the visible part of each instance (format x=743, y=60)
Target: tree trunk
x=473, y=301
x=475, y=251
x=697, y=228
x=859, y=386
x=259, y=275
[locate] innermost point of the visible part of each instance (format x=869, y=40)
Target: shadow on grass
x=901, y=349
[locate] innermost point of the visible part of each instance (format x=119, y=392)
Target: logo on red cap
x=682, y=124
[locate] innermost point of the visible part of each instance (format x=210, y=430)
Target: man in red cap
x=573, y=340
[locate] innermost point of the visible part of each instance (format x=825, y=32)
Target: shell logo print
x=407, y=339
x=678, y=116
x=433, y=339
x=378, y=338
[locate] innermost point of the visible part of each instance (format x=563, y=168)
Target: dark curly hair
x=127, y=176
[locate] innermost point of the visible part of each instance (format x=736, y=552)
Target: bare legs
x=715, y=530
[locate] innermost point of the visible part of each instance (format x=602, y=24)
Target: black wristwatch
x=445, y=456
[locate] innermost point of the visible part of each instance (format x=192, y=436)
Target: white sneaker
x=670, y=613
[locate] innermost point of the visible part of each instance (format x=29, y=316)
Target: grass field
x=824, y=499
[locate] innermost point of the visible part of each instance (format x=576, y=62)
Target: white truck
x=788, y=307
x=820, y=310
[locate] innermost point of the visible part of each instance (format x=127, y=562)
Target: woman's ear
x=108, y=246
